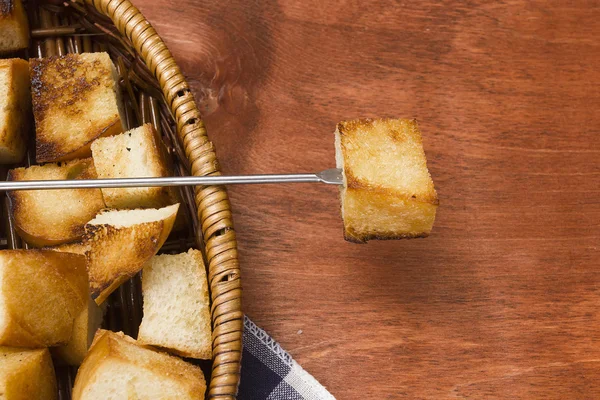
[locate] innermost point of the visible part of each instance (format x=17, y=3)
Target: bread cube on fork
x=388, y=192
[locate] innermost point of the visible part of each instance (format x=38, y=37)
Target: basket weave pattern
x=214, y=212
x=208, y=208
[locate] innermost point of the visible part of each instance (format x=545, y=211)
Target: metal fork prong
x=332, y=176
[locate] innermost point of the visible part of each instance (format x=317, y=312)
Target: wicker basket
x=154, y=91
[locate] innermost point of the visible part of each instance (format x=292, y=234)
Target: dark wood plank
x=502, y=300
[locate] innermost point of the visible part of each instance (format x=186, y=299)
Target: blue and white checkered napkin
x=270, y=373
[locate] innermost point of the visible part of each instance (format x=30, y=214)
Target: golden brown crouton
x=76, y=99
x=51, y=217
x=119, y=365
x=27, y=374
x=41, y=293
x=388, y=192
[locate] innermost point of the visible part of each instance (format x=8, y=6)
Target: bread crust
x=47, y=151
x=119, y=349
x=36, y=222
x=352, y=236
x=75, y=101
x=42, y=293
x=118, y=253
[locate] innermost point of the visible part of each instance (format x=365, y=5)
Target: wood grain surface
x=501, y=302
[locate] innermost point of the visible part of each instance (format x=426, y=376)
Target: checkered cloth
x=270, y=373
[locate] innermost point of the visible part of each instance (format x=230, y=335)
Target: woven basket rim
x=212, y=204
x=218, y=234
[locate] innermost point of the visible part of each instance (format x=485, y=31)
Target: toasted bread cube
x=84, y=328
x=51, y=217
x=176, y=305
x=134, y=154
x=121, y=242
x=41, y=292
x=76, y=99
x=26, y=374
x=14, y=29
x=15, y=109
x=118, y=365
x=387, y=192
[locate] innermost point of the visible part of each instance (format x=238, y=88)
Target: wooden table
x=502, y=300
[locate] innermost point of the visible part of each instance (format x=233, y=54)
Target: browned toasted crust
x=97, y=235
x=53, y=151
x=55, y=89
x=33, y=230
x=354, y=183
x=62, y=95
x=17, y=208
x=116, y=254
x=353, y=237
